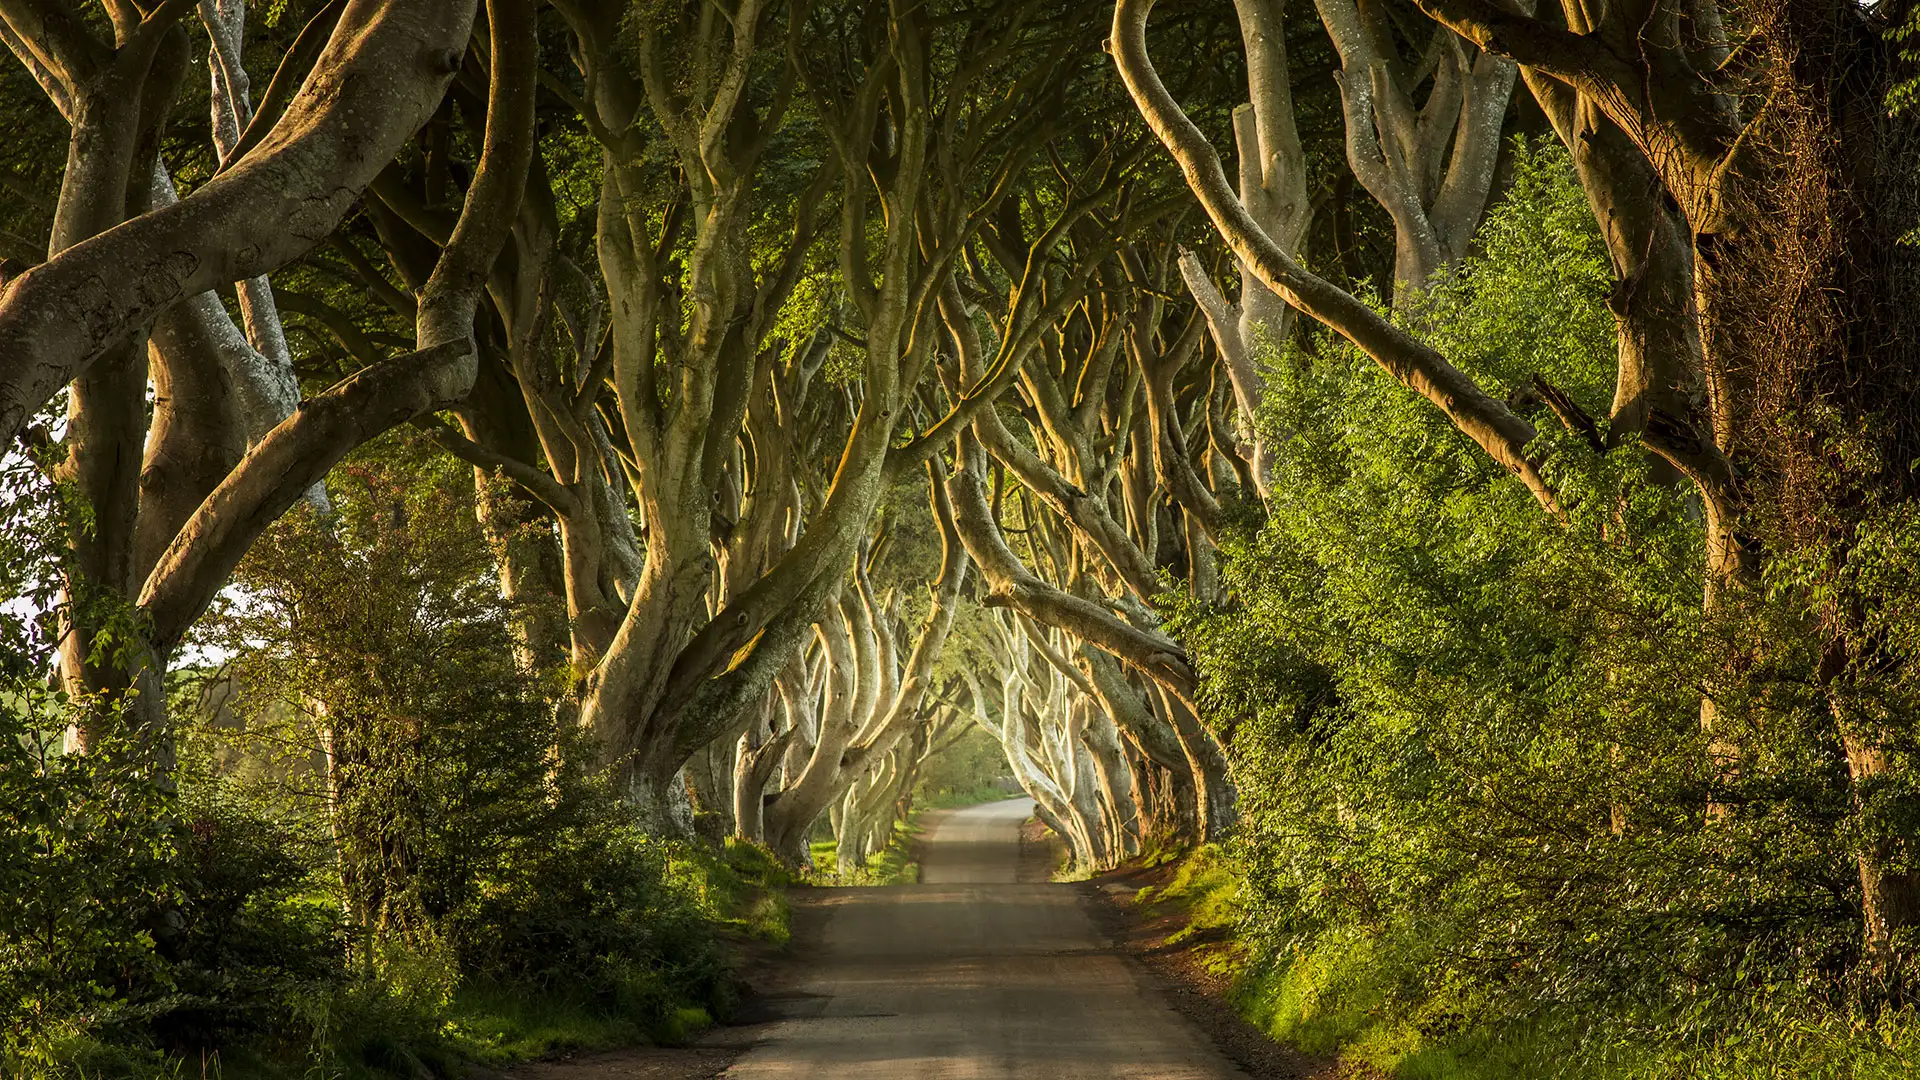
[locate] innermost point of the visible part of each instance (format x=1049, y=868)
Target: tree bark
x=1503, y=435
x=377, y=81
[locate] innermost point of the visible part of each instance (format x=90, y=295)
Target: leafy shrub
x=144, y=919
x=86, y=864
x=596, y=911
x=1476, y=762
x=139, y=917
x=253, y=928
x=369, y=819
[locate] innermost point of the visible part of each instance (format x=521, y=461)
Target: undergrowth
x=415, y=1018
x=1351, y=994
x=451, y=880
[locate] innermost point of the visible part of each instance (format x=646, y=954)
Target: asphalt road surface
x=972, y=975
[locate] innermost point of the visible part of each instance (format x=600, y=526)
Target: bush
x=463, y=815
x=146, y=920
x=140, y=917
x=1475, y=787
x=370, y=824
x=596, y=911
x=86, y=863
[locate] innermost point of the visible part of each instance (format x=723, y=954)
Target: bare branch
x=535, y=480
x=377, y=81
x=1482, y=418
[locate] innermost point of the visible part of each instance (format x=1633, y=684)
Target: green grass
x=1800, y=1040
x=1335, y=998
x=891, y=865
x=1340, y=995
x=1205, y=893
x=1206, y=890
x=744, y=887
x=500, y=1025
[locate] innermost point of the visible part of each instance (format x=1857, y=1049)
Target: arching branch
x=1503, y=435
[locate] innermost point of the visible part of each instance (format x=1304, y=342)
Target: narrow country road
x=971, y=974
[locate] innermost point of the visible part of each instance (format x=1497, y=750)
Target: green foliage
x=1474, y=781
x=740, y=889
x=465, y=820
x=140, y=916
x=1206, y=886
x=87, y=862
x=967, y=772
x=146, y=919
x=1906, y=38
x=891, y=865
x=744, y=888
x=1346, y=992
x=377, y=847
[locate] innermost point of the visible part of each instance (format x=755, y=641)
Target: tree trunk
x=1118, y=784
x=1207, y=763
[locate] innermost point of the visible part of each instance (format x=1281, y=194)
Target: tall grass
x=1344, y=994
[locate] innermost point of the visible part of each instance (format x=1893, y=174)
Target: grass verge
x=891, y=865
x=1342, y=994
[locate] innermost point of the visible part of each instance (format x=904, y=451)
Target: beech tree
x=675, y=648
x=220, y=463
x=1481, y=515
x=876, y=699
x=1721, y=196
x=1062, y=745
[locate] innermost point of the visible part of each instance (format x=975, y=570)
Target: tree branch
x=1483, y=419
x=1013, y=585
x=378, y=79
x=1570, y=413
x=57, y=40
x=302, y=448
x=278, y=471
x=286, y=80
x=535, y=480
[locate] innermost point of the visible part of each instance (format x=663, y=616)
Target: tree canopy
x=1459, y=458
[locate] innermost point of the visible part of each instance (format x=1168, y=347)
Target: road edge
x=1176, y=973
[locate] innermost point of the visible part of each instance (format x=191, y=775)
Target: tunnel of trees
x=1458, y=460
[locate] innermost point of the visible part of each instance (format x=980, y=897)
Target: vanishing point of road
x=971, y=974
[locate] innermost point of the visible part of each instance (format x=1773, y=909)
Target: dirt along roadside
x=1199, y=993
